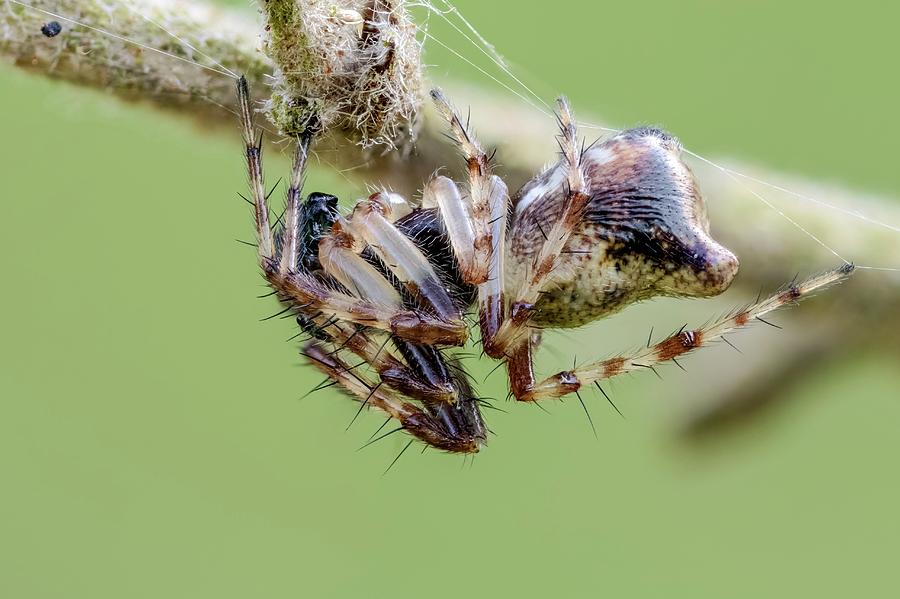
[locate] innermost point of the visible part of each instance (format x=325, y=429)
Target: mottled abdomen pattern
x=643, y=233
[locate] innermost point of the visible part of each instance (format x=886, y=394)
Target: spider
x=606, y=226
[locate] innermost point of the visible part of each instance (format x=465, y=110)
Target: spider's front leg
x=315, y=265
x=278, y=260
x=477, y=229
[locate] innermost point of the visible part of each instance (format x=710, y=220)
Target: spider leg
x=513, y=331
x=390, y=369
x=505, y=333
x=424, y=426
x=678, y=344
x=442, y=193
x=302, y=289
x=485, y=231
x=264, y=241
x=339, y=257
x=480, y=172
x=288, y=260
x=371, y=220
x=364, y=280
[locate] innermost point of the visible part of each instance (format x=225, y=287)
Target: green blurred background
x=152, y=440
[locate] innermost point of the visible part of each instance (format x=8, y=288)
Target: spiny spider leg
x=442, y=193
x=288, y=260
x=548, y=258
x=390, y=369
x=680, y=343
x=305, y=291
x=265, y=245
x=372, y=220
x=362, y=279
x=479, y=169
x=336, y=368
x=417, y=422
x=339, y=259
x=490, y=206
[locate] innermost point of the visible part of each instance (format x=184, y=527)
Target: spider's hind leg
x=682, y=342
x=448, y=428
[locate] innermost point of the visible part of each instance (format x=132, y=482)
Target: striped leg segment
x=389, y=368
x=421, y=424
x=485, y=233
x=680, y=343
x=443, y=194
x=289, y=248
x=491, y=298
x=514, y=330
x=264, y=241
x=479, y=169
x=372, y=221
x=339, y=256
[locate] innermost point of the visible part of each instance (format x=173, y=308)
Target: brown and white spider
x=608, y=225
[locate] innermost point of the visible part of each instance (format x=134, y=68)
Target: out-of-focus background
x=153, y=442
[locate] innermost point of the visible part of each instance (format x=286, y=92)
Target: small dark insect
x=615, y=223
x=51, y=29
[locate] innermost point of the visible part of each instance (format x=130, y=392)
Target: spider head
x=317, y=213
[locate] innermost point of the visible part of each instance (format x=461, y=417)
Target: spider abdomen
x=644, y=232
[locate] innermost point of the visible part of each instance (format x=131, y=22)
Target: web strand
x=759, y=196
x=484, y=47
x=180, y=40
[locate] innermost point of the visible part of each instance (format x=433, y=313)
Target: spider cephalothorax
x=618, y=222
